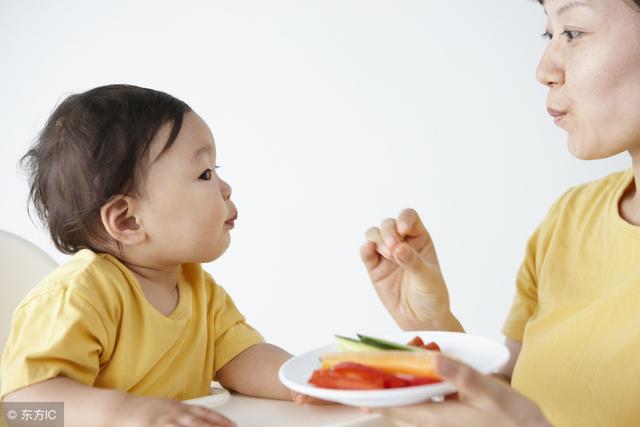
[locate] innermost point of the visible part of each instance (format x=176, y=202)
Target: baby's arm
x=254, y=372
x=99, y=407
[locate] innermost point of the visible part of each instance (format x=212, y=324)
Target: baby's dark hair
x=93, y=147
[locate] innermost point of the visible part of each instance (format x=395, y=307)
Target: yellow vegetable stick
x=394, y=362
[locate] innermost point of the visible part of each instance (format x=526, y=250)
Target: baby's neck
x=159, y=285
x=163, y=277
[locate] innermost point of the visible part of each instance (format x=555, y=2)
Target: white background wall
x=329, y=116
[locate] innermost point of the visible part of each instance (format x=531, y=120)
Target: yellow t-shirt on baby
x=577, y=310
x=90, y=321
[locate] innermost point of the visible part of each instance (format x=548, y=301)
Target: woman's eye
x=206, y=175
x=570, y=35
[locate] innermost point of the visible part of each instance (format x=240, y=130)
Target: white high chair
x=22, y=266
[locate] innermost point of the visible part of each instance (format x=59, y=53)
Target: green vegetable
x=350, y=344
x=385, y=345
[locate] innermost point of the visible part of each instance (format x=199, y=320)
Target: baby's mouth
x=231, y=221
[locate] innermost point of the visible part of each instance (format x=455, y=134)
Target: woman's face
x=592, y=69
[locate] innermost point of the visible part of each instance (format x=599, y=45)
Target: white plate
x=483, y=354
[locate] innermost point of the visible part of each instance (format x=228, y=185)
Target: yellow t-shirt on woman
x=90, y=321
x=577, y=310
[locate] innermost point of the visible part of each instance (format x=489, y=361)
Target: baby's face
x=184, y=206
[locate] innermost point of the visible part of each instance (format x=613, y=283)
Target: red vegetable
x=413, y=380
x=431, y=346
x=367, y=373
x=328, y=378
x=355, y=376
x=417, y=342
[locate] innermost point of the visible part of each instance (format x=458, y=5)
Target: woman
x=572, y=330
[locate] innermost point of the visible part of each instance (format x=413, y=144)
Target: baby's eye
x=206, y=175
x=547, y=35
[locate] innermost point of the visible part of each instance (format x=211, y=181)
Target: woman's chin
x=589, y=150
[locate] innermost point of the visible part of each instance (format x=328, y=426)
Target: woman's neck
x=629, y=205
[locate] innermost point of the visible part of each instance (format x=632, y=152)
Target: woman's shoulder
x=593, y=193
x=600, y=187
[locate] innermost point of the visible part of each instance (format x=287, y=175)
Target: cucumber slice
x=386, y=345
x=350, y=344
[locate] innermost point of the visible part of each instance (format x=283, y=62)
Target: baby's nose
x=226, y=189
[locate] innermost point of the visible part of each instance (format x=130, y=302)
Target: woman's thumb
x=409, y=259
x=468, y=382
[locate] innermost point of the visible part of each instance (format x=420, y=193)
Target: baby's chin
x=216, y=251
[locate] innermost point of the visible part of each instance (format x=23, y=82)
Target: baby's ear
x=119, y=219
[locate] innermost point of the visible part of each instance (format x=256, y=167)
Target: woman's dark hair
x=637, y=2
x=93, y=147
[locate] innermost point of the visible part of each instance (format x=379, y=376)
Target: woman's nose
x=550, y=71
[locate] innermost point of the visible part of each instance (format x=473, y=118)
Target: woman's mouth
x=557, y=115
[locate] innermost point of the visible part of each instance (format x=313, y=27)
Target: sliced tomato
x=413, y=380
x=355, y=376
x=431, y=346
x=394, y=381
x=329, y=378
x=359, y=371
x=367, y=373
x=416, y=342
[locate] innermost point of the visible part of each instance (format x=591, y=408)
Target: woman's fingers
x=389, y=233
x=393, y=231
x=374, y=235
x=369, y=255
x=408, y=258
x=409, y=224
x=484, y=402
x=473, y=386
x=411, y=261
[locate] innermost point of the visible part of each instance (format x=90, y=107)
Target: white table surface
x=255, y=412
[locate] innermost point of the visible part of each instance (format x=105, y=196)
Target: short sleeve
x=525, y=300
x=56, y=333
x=232, y=334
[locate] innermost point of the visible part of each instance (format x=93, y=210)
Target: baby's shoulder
x=88, y=276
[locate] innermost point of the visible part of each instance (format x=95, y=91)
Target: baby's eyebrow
x=205, y=149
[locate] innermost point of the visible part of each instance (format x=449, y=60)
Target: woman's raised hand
x=401, y=260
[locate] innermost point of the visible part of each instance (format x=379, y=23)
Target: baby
x=125, y=180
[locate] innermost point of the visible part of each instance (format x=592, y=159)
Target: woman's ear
x=119, y=219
